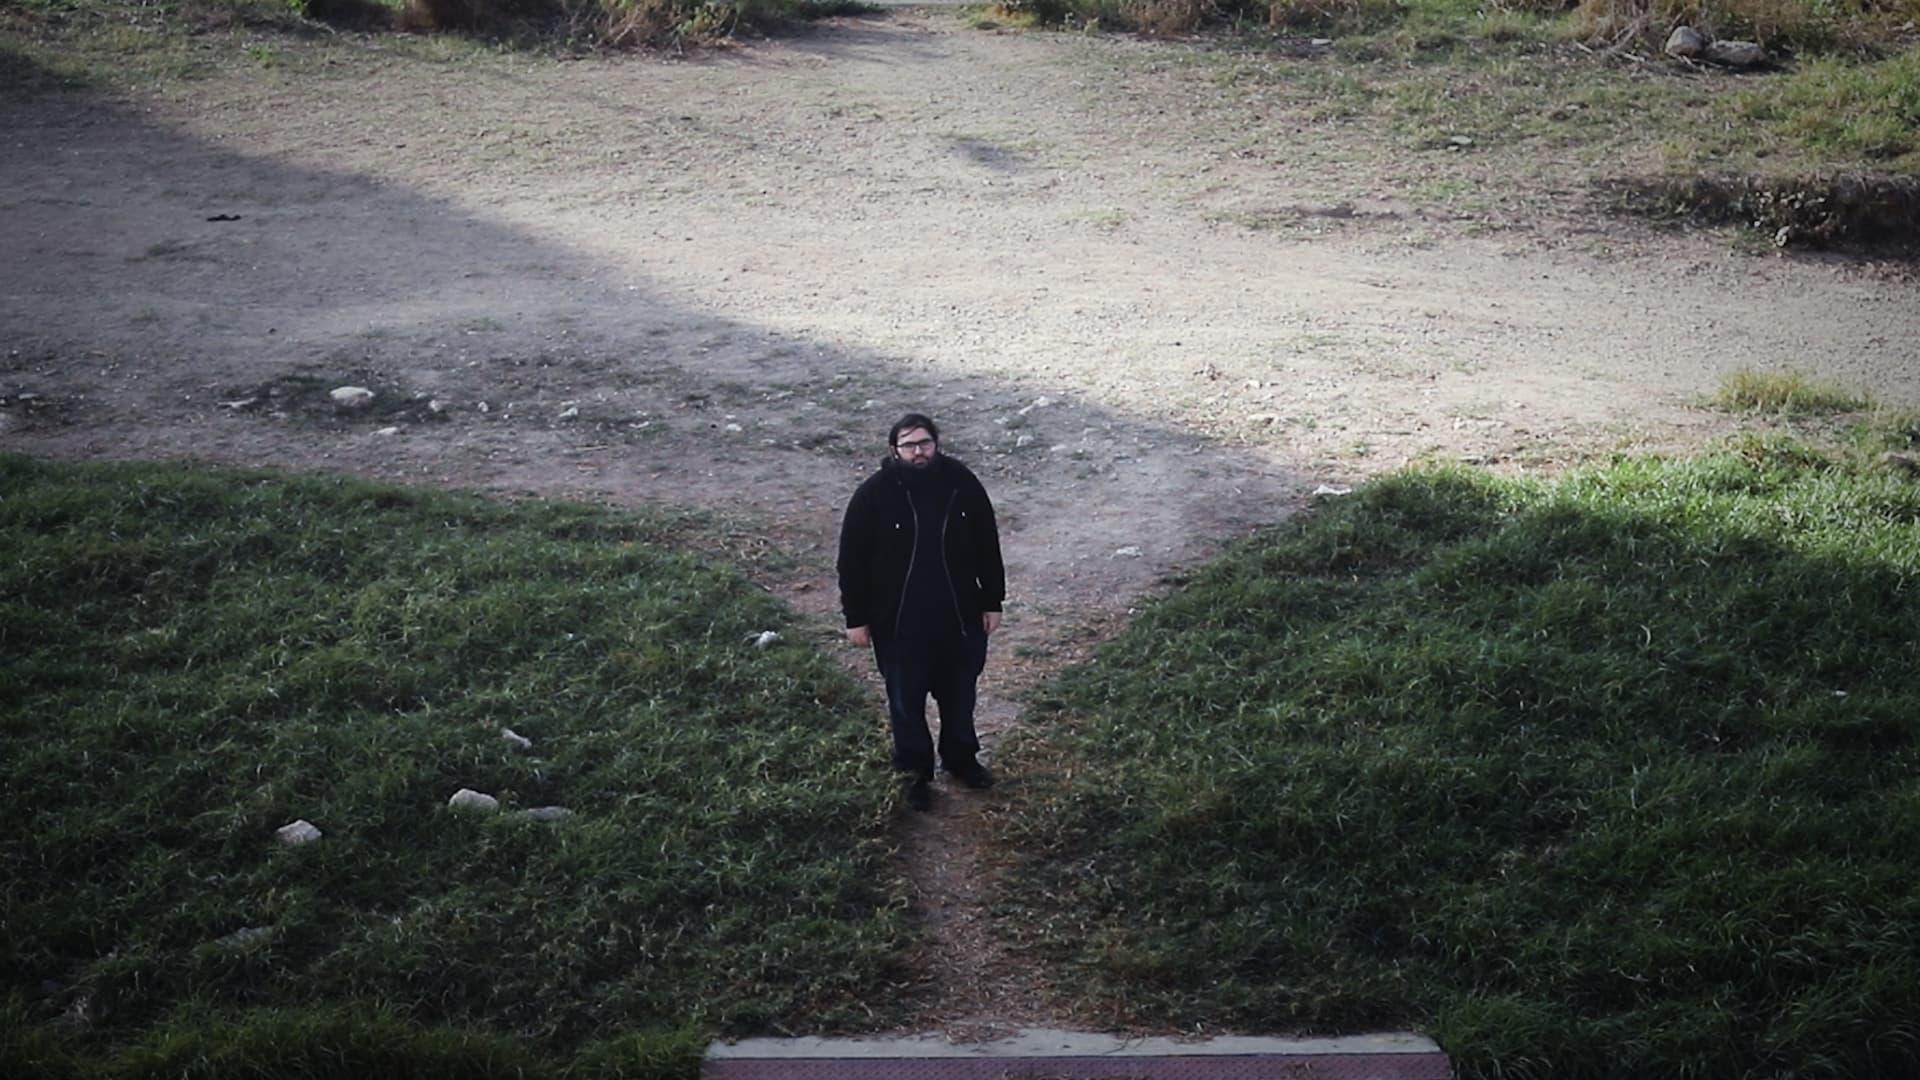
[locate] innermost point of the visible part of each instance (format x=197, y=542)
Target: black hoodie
x=881, y=543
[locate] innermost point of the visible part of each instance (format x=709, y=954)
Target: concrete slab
x=1041, y=1054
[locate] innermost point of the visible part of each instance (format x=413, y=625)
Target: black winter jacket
x=879, y=541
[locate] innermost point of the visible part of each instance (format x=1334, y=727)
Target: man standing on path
x=921, y=581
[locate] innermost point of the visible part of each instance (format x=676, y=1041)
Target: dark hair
x=908, y=423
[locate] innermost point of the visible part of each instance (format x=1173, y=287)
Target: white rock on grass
x=295, y=833
x=547, y=813
x=515, y=739
x=1685, y=43
x=469, y=799
x=764, y=638
x=245, y=937
x=351, y=398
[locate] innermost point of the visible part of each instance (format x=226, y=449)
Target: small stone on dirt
x=571, y=412
x=351, y=398
x=469, y=799
x=1333, y=489
x=388, y=431
x=1131, y=551
x=295, y=833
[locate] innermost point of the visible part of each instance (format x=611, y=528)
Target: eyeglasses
x=916, y=445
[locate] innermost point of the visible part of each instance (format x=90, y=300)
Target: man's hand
x=991, y=621
x=860, y=635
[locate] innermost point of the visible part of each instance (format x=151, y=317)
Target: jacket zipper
x=900, y=612
x=946, y=570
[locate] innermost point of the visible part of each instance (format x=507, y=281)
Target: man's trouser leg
x=956, y=674
x=907, y=667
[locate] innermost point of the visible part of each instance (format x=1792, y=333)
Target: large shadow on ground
x=173, y=296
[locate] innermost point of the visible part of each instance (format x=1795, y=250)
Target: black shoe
x=974, y=775
x=919, y=793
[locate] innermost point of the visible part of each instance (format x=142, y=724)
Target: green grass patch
x=1887, y=430
x=1848, y=108
x=1785, y=393
x=1612, y=776
x=193, y=658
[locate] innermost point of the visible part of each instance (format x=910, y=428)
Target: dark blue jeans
x=945, y=668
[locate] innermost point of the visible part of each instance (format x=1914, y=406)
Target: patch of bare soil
x=714, y=282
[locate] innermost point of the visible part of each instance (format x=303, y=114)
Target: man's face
x=916, y=448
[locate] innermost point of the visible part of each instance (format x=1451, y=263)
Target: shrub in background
x=1781, y=24
x=1046, y=12
x=656, y=22
x=485, y=16
x=1332, y=16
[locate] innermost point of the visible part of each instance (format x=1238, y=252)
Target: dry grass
x=1793, y=24
x=640, y=21
x=1328, y=14
x=1786, y=393
x=1165, y=18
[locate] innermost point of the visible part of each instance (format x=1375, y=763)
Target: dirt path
x=714, y=282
